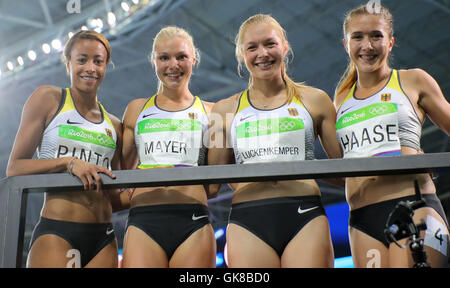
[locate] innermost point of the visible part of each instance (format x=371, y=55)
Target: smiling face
x=173, y=61
x=368, y=42
x=87, y=65
x=263, y=50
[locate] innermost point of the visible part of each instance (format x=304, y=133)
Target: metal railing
x=14, y=190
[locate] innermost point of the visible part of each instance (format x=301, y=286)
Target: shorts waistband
x=279, y=200
x=83, y=225
x=168, y=207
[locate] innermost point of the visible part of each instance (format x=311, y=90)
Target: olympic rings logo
x=378, y=110
x=102, y=139
x=287, y=125
x=182, y=125
x=283, y=126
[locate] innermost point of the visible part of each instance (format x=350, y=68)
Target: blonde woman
x=168, y=226
x=278, y=223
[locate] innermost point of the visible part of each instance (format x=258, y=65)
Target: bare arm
x=37, y=112
x=219, y=152
x=129, y=158
x=42, y=103
x=325, y=121
x=326, y=127
x=129, y=155
x=432, y=100
x=118, y=197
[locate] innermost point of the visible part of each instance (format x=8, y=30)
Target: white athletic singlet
x=378, y=125
x=71, y=135
x=285, y=133
x=171, y=138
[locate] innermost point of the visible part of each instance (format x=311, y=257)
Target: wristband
x=71, y=165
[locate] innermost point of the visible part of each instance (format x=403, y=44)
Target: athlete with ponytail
x=278, y=223
x=380, y=112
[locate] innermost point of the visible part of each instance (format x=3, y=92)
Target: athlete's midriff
x=363, y=191
x=78, y=206
x=193, y=194
x=262, y=190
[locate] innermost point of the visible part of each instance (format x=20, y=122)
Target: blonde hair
x=350, y=75
x=293, y=88
x=85, y=34
x=170, y=32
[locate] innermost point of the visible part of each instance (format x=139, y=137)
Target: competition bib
x=169, y=142
x=264, y=140
x=370, y=131
x=93, y=147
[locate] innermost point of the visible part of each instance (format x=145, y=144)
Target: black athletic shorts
x=276, y=221
x=169, y=225
x=371, y=219
x=87, y=238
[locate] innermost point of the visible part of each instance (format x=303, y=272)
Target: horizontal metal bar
x=13, y=189
x=219, y=174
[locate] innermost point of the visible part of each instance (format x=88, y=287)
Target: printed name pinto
x=84, y=154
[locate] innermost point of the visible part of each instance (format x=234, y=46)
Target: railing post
x=4, y=191
x=13, y=204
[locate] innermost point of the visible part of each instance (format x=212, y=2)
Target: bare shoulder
x=415, y=77
x=44, y=100
x=208, y=106
x=411, y=74
x=313, y=92
x=132, y=112
x=314, y=96
x=135, y=106
x=47, y=93
x=137, y=102
x=227, y=105
x=418, y=80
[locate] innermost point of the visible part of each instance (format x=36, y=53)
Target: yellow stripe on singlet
x=68, y=102
x=243, y=101
x=105, y=115
x=350, y=94
x=150, y=103
x=394, y=82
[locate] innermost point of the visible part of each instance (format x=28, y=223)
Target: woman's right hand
x=88, y=173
